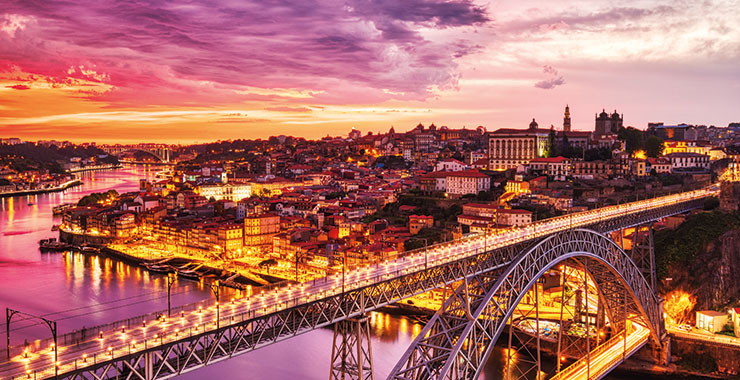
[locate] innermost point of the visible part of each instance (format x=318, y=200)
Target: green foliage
x=687, y=240
x=392, y=162
x=28, y=156
x=550, y=149
x=95, y=198
x=632, y=138
x=653, y=146
x=595, y=154
x=432, y=236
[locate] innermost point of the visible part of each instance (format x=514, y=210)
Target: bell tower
x=566, y=119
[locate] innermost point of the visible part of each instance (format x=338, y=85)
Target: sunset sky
x=186, y=71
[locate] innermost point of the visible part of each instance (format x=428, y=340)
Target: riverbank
x=95, y=168
x=234, y=280
x=62, y=187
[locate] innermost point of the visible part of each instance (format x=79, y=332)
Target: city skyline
x=193, y=73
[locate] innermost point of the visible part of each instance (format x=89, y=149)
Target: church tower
x=566, y=119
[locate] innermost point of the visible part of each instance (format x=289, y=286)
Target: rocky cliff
x=702, y=257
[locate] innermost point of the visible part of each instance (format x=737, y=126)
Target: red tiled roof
x=420, y=216
x=481, y=205
x=467, y=173
x=556, y=160
x=514, y=211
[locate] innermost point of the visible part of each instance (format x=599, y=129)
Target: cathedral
x=608, y=125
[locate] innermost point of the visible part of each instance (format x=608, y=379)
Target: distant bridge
x=492, y=274
x=160, y=152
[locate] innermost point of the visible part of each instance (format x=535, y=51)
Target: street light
x=9, y=313
x=344, y=263
x=425, y=250
x=216, y=289
x=170, y=282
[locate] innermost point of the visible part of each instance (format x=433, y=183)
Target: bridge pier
x=351, y=354
x=149, y=365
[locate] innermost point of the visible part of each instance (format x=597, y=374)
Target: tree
x=632, y=139
x=550, y=149
x=653, y=146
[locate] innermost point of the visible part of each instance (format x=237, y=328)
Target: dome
x=533, y=124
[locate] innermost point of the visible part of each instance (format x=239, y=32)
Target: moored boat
x=88, y=249
x=188, y=274
x=159, y=268
x=51, y=244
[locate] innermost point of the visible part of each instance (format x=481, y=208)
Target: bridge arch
x=152, y=153
x=458, y=340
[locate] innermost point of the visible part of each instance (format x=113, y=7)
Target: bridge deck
x=119, y=345
x=606, y=357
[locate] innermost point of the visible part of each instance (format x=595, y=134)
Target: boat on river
x=52, y=245
x=188, y=274
x=88, y=249
x=160, y=268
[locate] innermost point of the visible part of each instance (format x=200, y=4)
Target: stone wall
x=693, y=353
x=729, y=199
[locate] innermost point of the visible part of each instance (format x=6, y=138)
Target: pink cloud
x=170, y=54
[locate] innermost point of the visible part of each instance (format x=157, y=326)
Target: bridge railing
x=81, y=335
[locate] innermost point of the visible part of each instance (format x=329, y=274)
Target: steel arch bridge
x=147, y=349
x=458, y=340
x=161, y=153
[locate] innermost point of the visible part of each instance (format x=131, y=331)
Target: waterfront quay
x=40, y=190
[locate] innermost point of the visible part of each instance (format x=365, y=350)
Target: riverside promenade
x=61, y=187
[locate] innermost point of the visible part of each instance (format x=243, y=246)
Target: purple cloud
x=153, y=52
x=553, y=79
x=579, y=20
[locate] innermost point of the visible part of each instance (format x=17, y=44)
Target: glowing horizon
x=184, y=73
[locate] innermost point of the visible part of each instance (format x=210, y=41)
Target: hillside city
x=255, y=213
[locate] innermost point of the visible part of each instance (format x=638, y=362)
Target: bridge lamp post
x=344, y=263
x=170, y=282
x=9, y=313
x=216, y=290
x=425, y=249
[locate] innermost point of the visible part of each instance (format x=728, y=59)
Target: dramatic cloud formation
x=190, y=70
x=199, y=51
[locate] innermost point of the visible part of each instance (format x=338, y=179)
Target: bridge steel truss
x=252, y=330
x=457, y=341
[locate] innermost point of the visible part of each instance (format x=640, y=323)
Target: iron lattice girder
x=462, y=357
x=253, y=331
x=352, y=356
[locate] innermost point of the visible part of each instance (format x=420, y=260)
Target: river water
x=80, y=291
